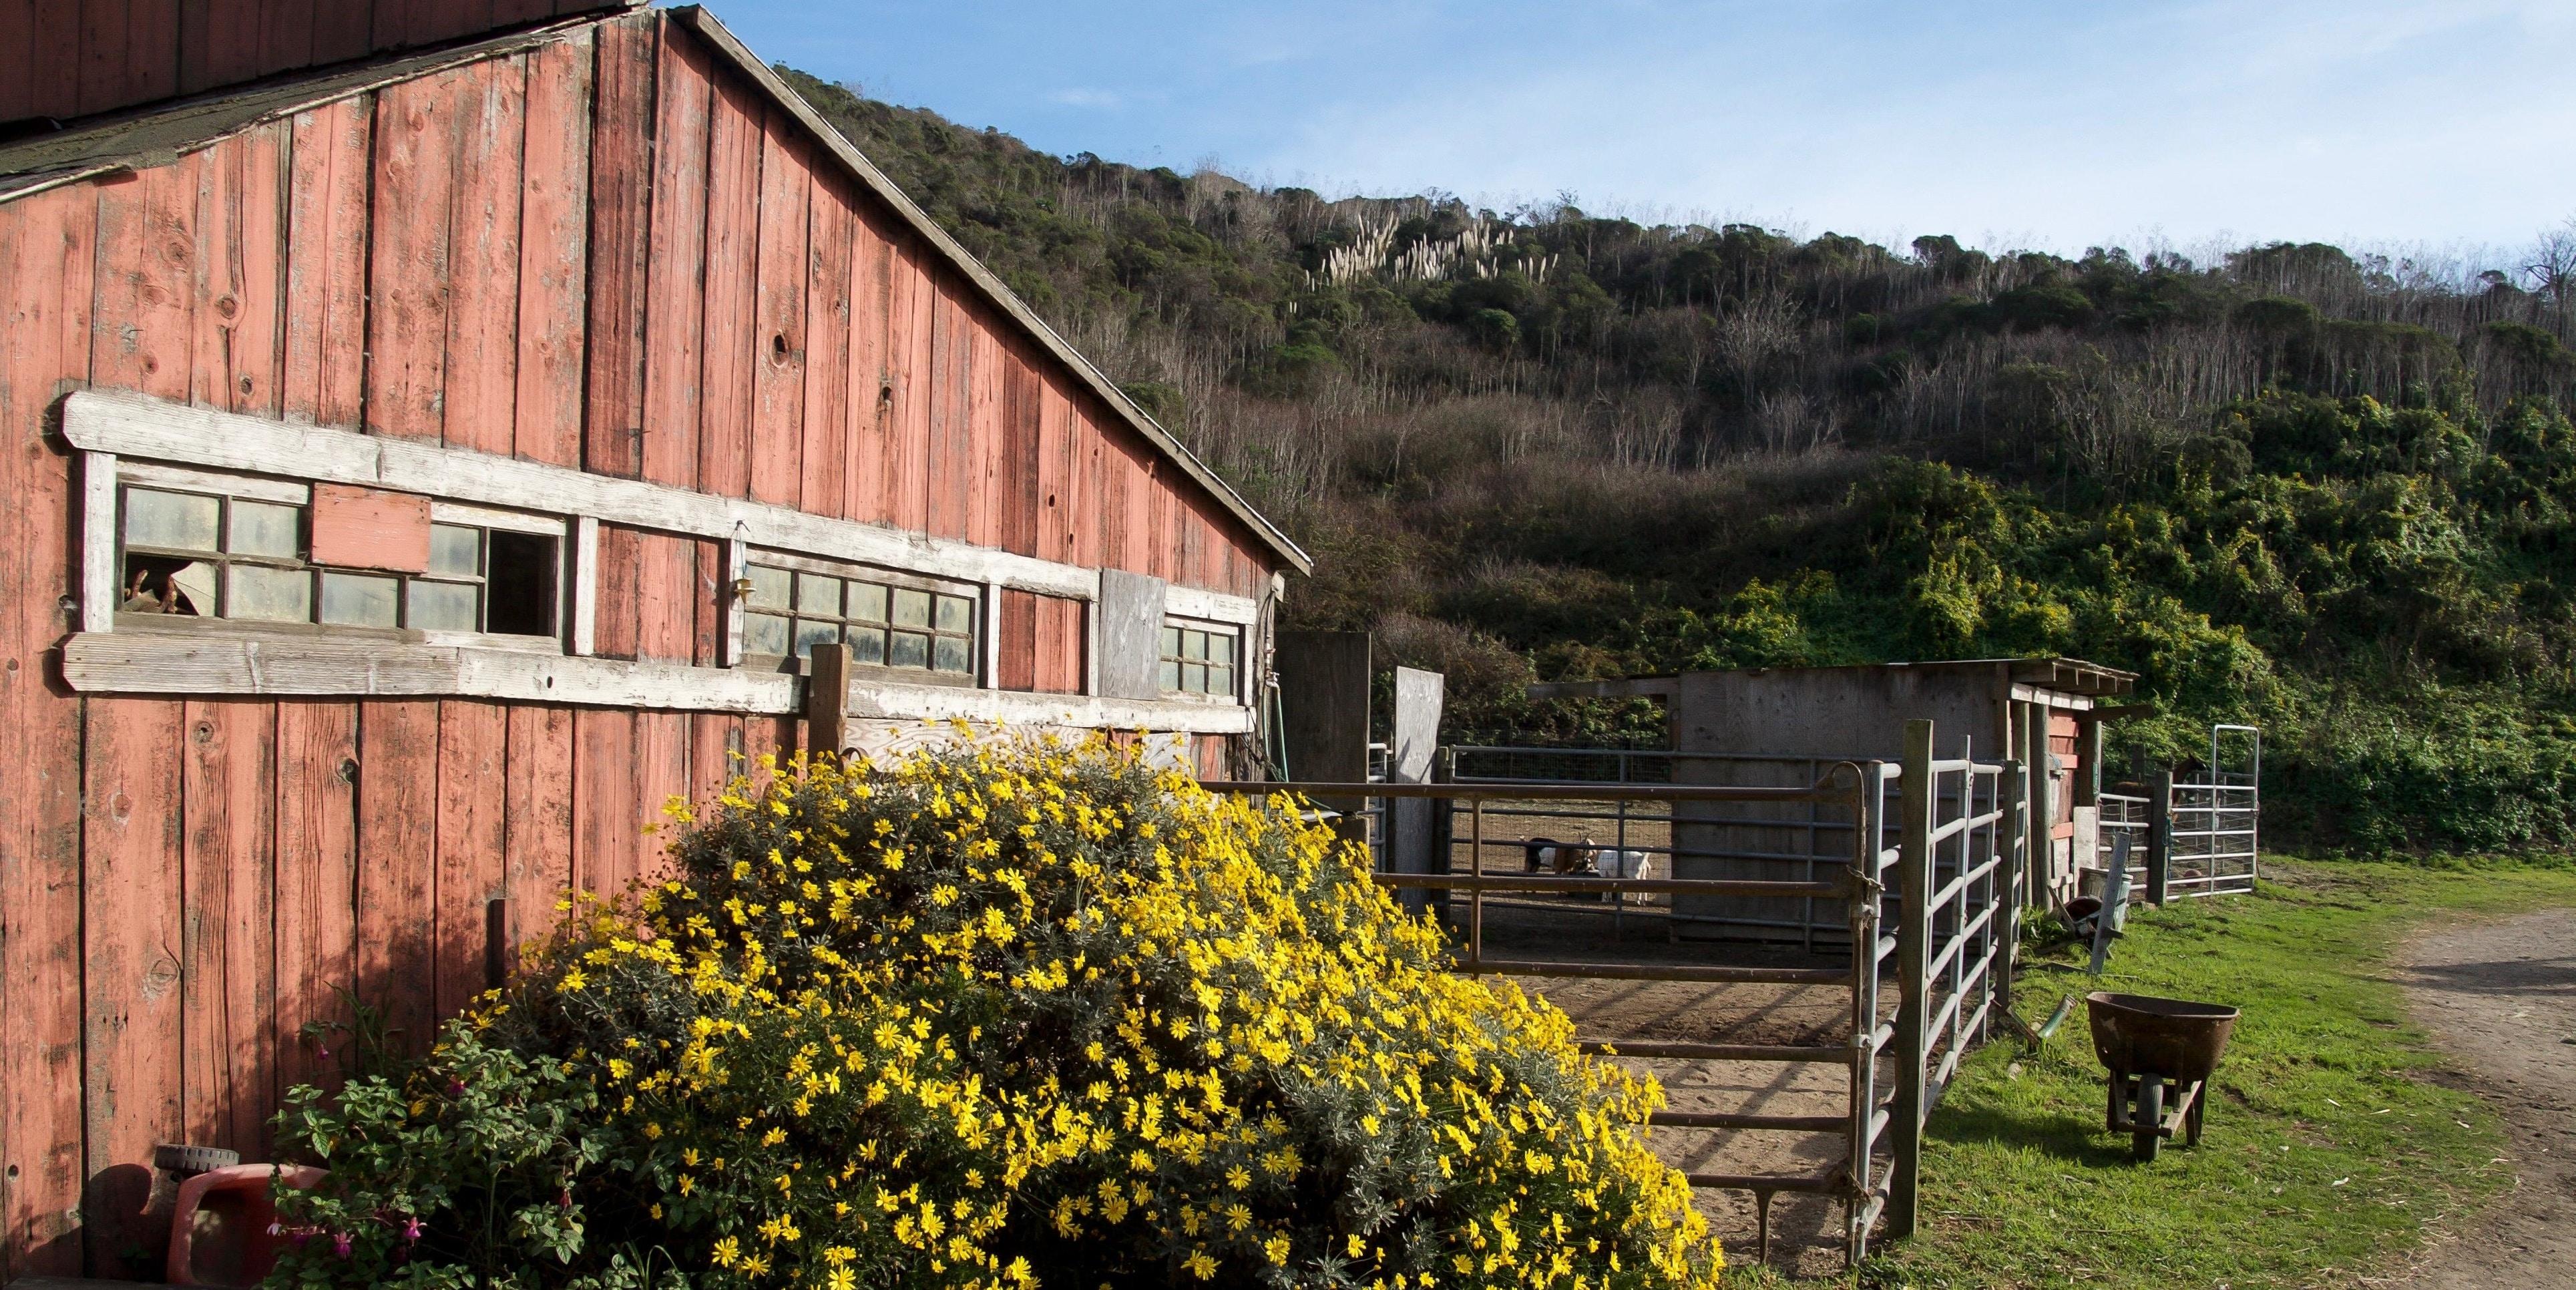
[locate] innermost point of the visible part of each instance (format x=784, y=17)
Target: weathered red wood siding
x=65, y=58
x=508, y=256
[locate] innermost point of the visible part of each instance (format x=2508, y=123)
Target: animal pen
x=1920, y=862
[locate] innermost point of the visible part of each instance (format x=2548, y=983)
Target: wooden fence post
x=827, y=694
x=2160, y=836
x=1914, y=963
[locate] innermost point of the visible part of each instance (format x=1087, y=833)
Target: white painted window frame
x=111, y=429
x=1242, y=634
x=103, y=473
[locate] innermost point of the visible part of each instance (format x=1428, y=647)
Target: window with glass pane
x=1198, y=660
x=209, y=555
x=203, y=555
x=791, y=611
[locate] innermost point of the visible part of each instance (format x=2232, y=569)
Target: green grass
x=2327, y=1150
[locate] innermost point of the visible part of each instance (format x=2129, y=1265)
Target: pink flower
x=340, y=1244
x=455, y=1087
x=411, y=1229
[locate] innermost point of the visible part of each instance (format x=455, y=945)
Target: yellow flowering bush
x=1005, y=1016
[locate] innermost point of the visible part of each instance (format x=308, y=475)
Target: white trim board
x=233, y=663
x=134, y=425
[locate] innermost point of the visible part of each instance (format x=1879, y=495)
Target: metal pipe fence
x=1923, y=867
x=2186, y=838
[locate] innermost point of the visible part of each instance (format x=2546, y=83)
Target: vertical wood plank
x=554, y=253
x=766, y=742
x=1055, y=471
x=824, y=456
x=666, y=597
x=102, y=56
x=340, y=29
x=151, y=51
x=473, y=758
x=147, y=246
x=1016, y=636
x=47, y=265
x=483, y=279
x=732, y=268
x=604, y=793
x=18, y=96
x=397, y=864
x=619, y=246
x=949, y=462
x=324, y=372
x=239, y=270
x=52, y=58
x=871, y=401
x=130, y=945
x=710, y=605
x=778, y=317
x=621, y=219
x=286, y=34
x=538, y=819
x=716, y=750
x=227, y=921
x=987, y=413
x=407, y=257
x=220, y=43
x=618, y=611
x=1063, y=646
x=1090, y=500
x=317, y=874
x=661, y=774
x=916, y=390
x=676, y=272
x=1018, y=492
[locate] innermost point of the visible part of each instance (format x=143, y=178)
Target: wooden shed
x=1786, y=725
x=437, y=433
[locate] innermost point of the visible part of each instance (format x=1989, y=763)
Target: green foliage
x=995, y=1017
x=2323, y=491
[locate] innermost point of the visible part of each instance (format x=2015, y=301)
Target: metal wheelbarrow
x=2161, y=1053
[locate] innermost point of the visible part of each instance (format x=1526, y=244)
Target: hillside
x=2324, y=492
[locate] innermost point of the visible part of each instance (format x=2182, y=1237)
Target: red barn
x=437, y=433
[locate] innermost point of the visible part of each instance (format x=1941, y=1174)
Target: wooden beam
x=216, y=662
x=137, y=426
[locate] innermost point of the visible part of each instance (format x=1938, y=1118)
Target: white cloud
x=1089, y=98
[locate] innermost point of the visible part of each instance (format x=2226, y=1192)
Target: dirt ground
x=2501, y=999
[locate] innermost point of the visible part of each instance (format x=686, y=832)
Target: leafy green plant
x=988, y=1018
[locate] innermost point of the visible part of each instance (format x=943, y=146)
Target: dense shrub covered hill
x=2328, y=493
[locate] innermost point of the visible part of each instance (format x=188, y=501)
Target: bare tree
x=2552, y=271
x=1752, y=330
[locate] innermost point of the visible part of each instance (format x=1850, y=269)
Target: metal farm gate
x=2195, y=835
x=1918, y=862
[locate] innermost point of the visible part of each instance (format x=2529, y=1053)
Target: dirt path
x=2501, y=999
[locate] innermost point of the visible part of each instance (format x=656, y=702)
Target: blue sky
x=2448, y=126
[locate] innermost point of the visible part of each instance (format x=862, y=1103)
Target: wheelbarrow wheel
x=2147, y=1129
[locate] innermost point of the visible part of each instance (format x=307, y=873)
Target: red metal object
x=221, y=1233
